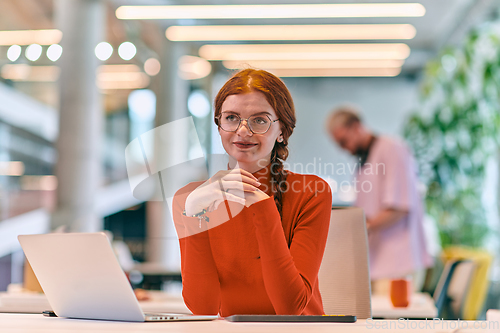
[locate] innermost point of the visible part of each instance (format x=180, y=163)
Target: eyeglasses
x=257, y=124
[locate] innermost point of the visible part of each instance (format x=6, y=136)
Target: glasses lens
x=229, y=122
x=259, y=124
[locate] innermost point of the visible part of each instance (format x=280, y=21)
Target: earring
x=280, y=139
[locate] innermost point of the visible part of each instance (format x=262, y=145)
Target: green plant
x=455, y=132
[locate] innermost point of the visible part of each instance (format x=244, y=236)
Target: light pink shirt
x=389, y=180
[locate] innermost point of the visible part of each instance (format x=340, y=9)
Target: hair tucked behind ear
x=278, y=96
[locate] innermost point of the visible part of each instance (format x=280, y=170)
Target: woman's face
x=251, y=151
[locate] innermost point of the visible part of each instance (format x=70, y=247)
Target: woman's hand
x=235, y=185
x=255, y=196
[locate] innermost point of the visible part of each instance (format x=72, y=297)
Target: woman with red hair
x=252, y=237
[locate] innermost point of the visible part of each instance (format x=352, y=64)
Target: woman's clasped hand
x=235, y=185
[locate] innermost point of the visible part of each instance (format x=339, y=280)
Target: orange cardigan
x=256, y=262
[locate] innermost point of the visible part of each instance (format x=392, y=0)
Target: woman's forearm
x=200, y=283
x=290, y=273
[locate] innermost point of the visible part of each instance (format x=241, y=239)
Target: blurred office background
x=81, y=79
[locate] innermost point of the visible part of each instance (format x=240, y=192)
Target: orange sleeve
x=200, y=281
x=290, y=273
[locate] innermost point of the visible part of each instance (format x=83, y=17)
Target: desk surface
x=36, y=303
x=421, y=306
x=17, y=323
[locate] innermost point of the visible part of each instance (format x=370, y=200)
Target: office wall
x=385, y=103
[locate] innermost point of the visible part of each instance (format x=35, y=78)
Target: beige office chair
x=454, y=284
x=344, y=276
x=459, y=286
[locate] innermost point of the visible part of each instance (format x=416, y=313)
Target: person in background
x=387, y=189
x=252, y=237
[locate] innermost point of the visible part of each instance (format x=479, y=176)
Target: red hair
x=278, y=96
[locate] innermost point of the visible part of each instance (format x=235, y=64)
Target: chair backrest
x=479, y=284
x=432, y=276
x=459, y=287
x=441, y=298
x=344, y=276
x=444, y=281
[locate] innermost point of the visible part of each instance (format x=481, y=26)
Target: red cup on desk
x=400, y=291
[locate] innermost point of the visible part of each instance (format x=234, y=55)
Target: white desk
x=421, y=306
x=23, y=302
x=162, y=302
x=33, y=323
x=36, y=303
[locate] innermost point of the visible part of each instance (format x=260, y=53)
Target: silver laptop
x=82, y=278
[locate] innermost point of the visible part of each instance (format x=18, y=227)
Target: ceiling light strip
x=290, y=32
x=130, y=81
x=121, y=76
x=246, y=52
x=346, y=72
x=113, y=68
x=270, y=11
x=27, y=37
x=24, y=72
x=319, y=64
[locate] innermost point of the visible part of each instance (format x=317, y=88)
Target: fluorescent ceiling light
x=54, y=52
x=27, y=37
x=110, y=81
x=33, y=52
x=340, y=72
x=39, y=183
x=11, y=168
x=128, y=68
x=192, y=68
x=127, y=50
x=103, y=51
x=24, y=72
x=14, y=52
x=121, y=77
x=292, y=64
x=290, y=32
x=270, y=11
x=246, y=52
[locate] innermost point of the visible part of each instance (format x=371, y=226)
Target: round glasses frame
x=245, y=119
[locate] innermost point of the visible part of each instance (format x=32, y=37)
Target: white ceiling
x=445, y=21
